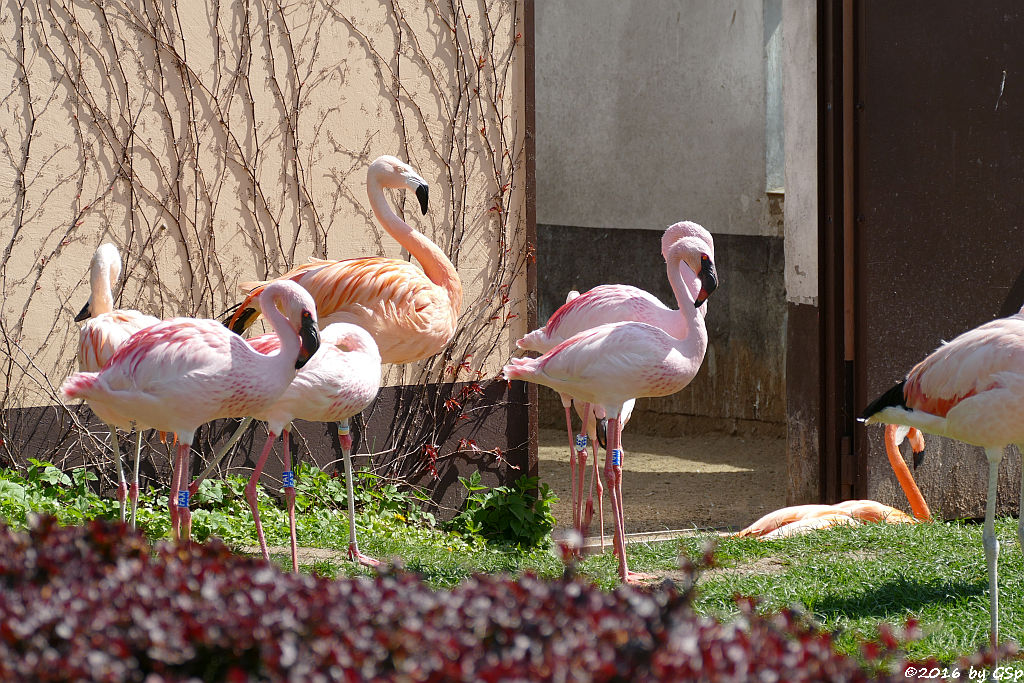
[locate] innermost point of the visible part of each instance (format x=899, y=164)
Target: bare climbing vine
x=219, y=142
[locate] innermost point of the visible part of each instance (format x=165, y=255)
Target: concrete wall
x=650, y=112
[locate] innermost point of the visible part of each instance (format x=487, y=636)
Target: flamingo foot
x=640, y=578
x=355, y=555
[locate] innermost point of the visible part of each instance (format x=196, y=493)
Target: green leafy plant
x=519, y=515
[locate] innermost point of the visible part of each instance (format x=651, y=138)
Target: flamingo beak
x=708, y=280
x=83, y=314
x=309, y=336
x=918, y=459
x=423, y=194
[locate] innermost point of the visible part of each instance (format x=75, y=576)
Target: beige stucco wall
x=219, y=149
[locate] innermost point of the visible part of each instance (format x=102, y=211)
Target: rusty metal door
x=935, y=166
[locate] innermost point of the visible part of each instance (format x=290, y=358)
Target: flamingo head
x=104, y=272
x=392, y=172
x=298, y=308
x=678, y=231
x=694, y=252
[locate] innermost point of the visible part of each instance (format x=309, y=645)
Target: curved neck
x=289, y=349
x=892, y=449
x=691, y=319
x=435, y=262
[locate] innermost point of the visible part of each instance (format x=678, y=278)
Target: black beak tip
x=423, y=195
x=918, y=459
x=83, y=314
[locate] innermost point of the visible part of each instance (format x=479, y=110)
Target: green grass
x=850, y=578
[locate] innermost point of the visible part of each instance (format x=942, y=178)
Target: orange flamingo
x=800, y=518
x=410, y=313
x=104, y=331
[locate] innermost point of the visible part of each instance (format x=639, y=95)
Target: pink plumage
x=181, y=373
x=610, y=364
x=970, y=389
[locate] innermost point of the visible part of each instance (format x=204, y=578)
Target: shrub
x=519, y=515
x=94, y=603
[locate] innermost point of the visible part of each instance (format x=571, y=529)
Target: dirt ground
x=703, y=481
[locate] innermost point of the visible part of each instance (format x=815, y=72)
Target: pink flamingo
x=183, y=372
x=612, y=363
x=410, y=313
x=615, y=303
x=970, y=389
x=800, y=518
x=104, y=331
x=339, y=381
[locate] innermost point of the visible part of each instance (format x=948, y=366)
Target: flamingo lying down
x=798, y=519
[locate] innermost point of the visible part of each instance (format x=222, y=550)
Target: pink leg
x=289, y=494
x=346, y=451
x=250, y=494
x=567, y=404
x=184, y=513
x=581, y=459
x=595, y=482
x=613, y=469
x=615, y=433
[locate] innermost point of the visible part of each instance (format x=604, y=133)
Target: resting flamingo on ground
x=615, y=303
x=970, y=389
x=612, y=363
x=801, y=518
x=410, y=313
x=339, y=381
x=104, y=331
x=180, y=373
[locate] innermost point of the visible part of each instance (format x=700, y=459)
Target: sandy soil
x=702, y=481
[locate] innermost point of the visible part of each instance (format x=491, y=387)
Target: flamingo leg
x=595, y=482
x=581, y=461
x=122, y=487
x=220, y=455
x=250, y=494
x=288, y=478
x=613, y=469
x=567, y=404
x=172, y=497
x=346, y=450
x=1020, y=511
x=991, y=543
x=184, y=512
x=133, y=490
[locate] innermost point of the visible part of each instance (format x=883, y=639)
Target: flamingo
x=410, y=313
x=800, y=518
x=609, y=364
x=339, y=381
x=104, y=331
x=614, y=303
x=183, y=372
x=970, y=389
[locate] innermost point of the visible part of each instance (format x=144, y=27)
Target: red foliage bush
x=96, y=603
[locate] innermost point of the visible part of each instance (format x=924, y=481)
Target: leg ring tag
x=581, y=441
x=288, y=478
x=183, y=499
x=617, y=457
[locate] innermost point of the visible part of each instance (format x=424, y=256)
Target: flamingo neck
x=690, y=327
x=892, y=449
x=436, y=265
x=288, y=352
x=101, y=282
